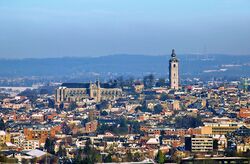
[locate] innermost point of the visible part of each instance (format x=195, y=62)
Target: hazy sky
x=55, y=28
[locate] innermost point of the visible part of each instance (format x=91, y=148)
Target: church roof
x=173, y=57
x=107, y=85
x=173, y=53
x=86, y=85
x=76, y=85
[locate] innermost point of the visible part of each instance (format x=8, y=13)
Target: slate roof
x=76, y=85
x=86, y=85
x=107, y=85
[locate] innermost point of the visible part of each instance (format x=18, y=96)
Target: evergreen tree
x=87, y=147
x=61, y=152
x=78, y=157
x=160, y=157
x=215, y=144
x=2, y=124
x=50, y=146
x=108, y=158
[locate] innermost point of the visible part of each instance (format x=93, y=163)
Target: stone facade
x=69, y=92
x=174, y=71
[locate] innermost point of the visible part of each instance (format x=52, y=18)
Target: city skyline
x=95, y=81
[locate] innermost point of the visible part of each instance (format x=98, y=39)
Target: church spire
x=173, y=53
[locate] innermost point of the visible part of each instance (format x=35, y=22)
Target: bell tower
x=174, y=71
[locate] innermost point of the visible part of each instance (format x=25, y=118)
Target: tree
x=104, y=113
x=161, y=136
x=161, y=82
x=188, y=122
x=65, y=128
x=87, y=147
x=149, y=81
x=164, y=97
x=137, y=157
x=31, y=94
x=72, y=106
x=121, y=127
x=61, y=106
x=135, y=127
x=88, y=155
x=43, y=91
x=158, y=109
x=2, y=124
x=33, y=160
x=96, y=157
x=129, y=82
x=123, y=122
x=50, y=146
x=138, y=108
x=79, y=154
x=215, y=144
x=160, y=157
x=120, y=81
x=102, y=128
x=247, y=153
x=51, y=103
x=230, y=152
x=4, y=159
x=129, y=157
x=62, y=151
x=108, y=159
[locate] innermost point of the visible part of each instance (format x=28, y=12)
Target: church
x=73, y=92
x=174, y=71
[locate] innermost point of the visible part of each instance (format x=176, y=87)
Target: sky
x=59, y=28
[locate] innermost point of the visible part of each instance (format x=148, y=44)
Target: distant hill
x=127, y=65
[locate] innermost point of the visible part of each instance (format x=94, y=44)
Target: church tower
x=174, y=71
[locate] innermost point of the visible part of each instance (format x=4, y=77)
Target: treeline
x=122, y=126
x=149, y=81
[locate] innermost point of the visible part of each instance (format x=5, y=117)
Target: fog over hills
x=126, y=65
